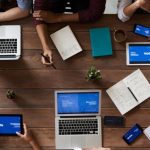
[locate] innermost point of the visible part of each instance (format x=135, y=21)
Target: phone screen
x=10, y=124
x=132, y=134
x=142, y=30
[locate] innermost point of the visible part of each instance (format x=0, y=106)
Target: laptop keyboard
x=78, y=126
x=8, y=46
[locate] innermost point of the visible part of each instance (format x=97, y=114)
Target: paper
x=66, y=43
x=111, y=7
x=130, y=92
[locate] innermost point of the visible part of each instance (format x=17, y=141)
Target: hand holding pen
x=47, y=60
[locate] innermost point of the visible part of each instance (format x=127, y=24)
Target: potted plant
x=93, y=74
x=11, y=94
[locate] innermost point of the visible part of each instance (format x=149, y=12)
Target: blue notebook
x=101, y=42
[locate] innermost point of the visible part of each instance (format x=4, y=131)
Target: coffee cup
x=120, y=35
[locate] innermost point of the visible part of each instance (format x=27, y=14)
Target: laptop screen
x=78, y=103
x=139, y=54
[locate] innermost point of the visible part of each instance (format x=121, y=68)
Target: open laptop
x=10, y=42
x=138, y=53
x=78, y=121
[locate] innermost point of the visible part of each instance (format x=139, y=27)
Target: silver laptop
x=10, y=42
x=78, y=121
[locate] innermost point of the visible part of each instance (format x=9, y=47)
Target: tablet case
x=101, y=43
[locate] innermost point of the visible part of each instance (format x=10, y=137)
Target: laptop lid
x=138, y=53
x=77, y=103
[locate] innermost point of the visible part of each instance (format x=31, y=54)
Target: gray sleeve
x=24, y=4
x=121, y=5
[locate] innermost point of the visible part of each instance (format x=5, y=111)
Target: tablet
x=10, y=124
x=138, y=53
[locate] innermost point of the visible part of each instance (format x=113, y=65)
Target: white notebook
x=111, y=7
x=130, y=92
x=66, y=42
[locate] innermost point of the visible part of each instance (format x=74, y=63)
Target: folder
x=101, y=43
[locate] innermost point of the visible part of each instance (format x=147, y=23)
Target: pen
x=48, y=61
x=132, y=94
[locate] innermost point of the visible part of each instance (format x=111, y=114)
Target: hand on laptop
x=47, y=60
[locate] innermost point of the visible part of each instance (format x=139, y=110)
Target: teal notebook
x=101, y=42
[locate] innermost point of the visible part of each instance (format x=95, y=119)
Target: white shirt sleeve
x=121, y=5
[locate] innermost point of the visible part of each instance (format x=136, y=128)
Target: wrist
x=138, y=4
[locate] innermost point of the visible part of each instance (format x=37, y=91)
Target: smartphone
x=10, y=124
x=142, y=30
x=132, y=134
x=118, y=121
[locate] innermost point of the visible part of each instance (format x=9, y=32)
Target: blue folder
x=100, y=42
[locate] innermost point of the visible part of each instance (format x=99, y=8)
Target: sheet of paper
x=139, y=85
x=111, y=7
x=122, y=97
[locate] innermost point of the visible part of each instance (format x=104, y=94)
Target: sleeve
x=24, y=4
x=93, y=12
x=122, y=4
x=40, y=5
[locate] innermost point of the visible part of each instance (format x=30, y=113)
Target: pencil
x=48, y=61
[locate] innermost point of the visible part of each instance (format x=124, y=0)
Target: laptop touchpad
x=77, y=141
x=2, y=31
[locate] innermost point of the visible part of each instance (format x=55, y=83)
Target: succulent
x=11, y=94
x=93, y=74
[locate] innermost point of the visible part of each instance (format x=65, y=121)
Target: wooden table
x=35, y=84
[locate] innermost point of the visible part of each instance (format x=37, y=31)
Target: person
x=126, y=8
x=56, y=11
x=21, y=10
x=27, y=136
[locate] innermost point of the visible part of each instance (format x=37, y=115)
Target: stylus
x=132, y=94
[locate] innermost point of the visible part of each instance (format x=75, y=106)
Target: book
x=130, y=92
x=101, y=42
x=66, y=42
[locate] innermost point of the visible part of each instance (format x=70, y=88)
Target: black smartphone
x=118, y=121
x=142, y=30
x=132, y=134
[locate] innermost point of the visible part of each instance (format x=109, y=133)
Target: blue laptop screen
x=10, y=124
x=78, y=103
x=139, y=54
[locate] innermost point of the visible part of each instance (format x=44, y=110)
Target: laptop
x=138, y=53
x=10, y=42
x=78, y=121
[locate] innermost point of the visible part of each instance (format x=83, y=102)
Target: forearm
x=42, y=30
x=131, y=9
x=35, y=145
x=12, y=14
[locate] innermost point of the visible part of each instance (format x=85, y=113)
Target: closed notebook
x=101, y=42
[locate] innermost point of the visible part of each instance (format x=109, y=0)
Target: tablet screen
x=10, y=124
x=139, y=54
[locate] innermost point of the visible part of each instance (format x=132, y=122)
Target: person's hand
x=47, y=16
x=48, y=60
x=144, y=4
x=27, y=135
x=100, y=148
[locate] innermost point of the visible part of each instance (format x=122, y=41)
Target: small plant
x=11, y=94
x=93, y=74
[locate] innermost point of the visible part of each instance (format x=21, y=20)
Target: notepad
x=66, y=42
x=130, y=92
x=100, y=42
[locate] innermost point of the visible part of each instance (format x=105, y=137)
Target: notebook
x=66, y=42
x=130, y=92
x=101, y=42
x=78, y=121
